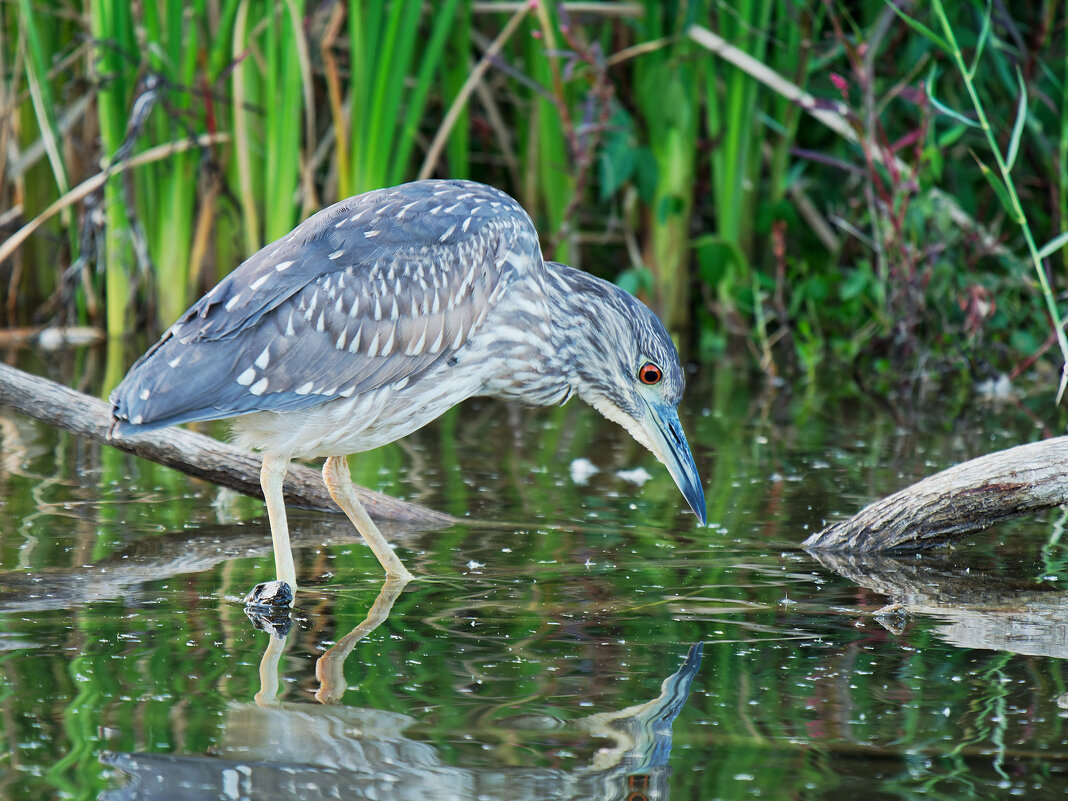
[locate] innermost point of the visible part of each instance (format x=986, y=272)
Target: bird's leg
x=330, y=667
x=272, y=474
x=339, y=485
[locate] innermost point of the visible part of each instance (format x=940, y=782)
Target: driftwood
x=964, y=499
x=187, y=451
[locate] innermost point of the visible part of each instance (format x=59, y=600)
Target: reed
x=397, y=54
x=112, y=31
x=627, y=124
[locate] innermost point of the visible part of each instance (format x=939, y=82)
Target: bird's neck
x=584, y=330
x=562, y=339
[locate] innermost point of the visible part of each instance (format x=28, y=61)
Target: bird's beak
x=668, y=442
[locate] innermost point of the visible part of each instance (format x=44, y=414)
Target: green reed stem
x=1014, y=206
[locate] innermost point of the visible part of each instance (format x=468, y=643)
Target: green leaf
x=921, y=29
x=951, y=137
x=1018, y=126
x=1053, y=246
x=984, y=34
x=998, y=186
x=943, y=108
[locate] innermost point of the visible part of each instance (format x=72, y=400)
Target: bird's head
x=625, y=365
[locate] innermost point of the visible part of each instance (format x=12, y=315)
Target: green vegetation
x=809, y=179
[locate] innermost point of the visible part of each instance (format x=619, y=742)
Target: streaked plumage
x=381, y=312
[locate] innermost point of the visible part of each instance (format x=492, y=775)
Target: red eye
x=649, y=373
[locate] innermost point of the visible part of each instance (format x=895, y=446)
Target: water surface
x=577, y=636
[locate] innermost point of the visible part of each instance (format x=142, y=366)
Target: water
x=567, y=640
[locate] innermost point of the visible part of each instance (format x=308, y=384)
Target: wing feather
x=373, y=290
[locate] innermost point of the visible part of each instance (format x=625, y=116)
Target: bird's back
x=373, y=291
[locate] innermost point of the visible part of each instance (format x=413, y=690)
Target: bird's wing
x=371, y=291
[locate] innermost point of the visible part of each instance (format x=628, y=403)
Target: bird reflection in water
x=281, y=750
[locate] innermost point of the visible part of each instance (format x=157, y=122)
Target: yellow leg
x=330, y=668
x=272, y=474
x=339, y=485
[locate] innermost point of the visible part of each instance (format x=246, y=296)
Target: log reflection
x=978, y=611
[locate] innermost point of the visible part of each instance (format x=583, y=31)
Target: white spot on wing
x=259, y=282
x=372, y=348
x=289, y=325
x=264, y=358
x=175, y=361
x=340, y=344
x=320, y=324
x=145, y=393
x=282, y=266
x=259, y=387
x=417, y=347
x=233, y=302
x=434, y=348
x=387, y=348
x=247, y=377
x=336, y=255
x=369, y=234
x=447, y=233
x=304, y=389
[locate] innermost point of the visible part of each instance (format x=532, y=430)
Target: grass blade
x=984, y=34
x=921, y=29
x=1018, y=126
x=997, y=185
x=1053, y=245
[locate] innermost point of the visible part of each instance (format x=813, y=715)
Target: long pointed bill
x=668, y=441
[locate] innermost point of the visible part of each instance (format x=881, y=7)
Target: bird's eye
x=649, y=373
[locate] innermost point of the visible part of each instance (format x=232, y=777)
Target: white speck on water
x=582, y=469
x=637, y=476
x=231, y=783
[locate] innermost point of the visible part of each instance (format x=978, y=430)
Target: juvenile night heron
x=378, y=314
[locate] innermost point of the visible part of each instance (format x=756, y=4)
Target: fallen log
x=194, y=454
x=966, y=498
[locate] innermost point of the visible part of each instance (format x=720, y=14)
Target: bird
x=379, y=313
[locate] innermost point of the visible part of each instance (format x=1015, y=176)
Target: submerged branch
x=966, y=498
x=191, y=453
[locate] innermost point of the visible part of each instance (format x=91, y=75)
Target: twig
x=438, y=143
x=90, y=185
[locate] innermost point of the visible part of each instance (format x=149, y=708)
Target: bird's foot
x=268, y=607
x=270, y=595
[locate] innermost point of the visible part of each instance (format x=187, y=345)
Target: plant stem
x=1016, y=208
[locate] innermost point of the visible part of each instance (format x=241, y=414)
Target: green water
x=548, y=648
